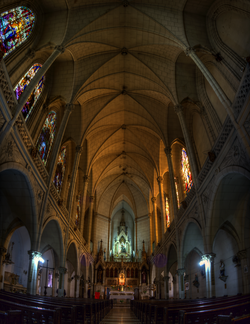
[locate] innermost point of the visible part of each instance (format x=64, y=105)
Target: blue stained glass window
x=15, y=27
x=46, y=138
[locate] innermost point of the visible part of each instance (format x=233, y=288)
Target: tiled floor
x=120, y=315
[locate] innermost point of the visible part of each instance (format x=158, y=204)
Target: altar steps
x=120, y=315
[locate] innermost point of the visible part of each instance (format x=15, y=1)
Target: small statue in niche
x=99, y=275
x=222, y=271
x=222, y=268
x=143, y=277
x=196, y=281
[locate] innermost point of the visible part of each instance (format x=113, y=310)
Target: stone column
x=2, y=265
x=85, y=188
x=107, y=253
x=153, y=199
x=180, y=273
x=54, y=283
x=242, y=256
x=163, y=213
x=32, y=273
x=28, y=90
x=139, y=277
x=179, y=111
x=73, y=179
x=136, y=246
x=62, y=272
x=91, y=206
x=166, y=287
x=208, y=260
x=151, y=232
x=77, y=286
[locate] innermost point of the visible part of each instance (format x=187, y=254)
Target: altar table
x=122, y=295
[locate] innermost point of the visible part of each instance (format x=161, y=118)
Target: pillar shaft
x=151, y=232
x=155, y=219
x=2, y=265
x=163, y=214
x=85, y=188
x=179, y=110
x=32, y=273
x=91, y=206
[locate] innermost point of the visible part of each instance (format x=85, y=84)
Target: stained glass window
x=177, y=194
x=60, y=169
x=46, y=138
x=78, y=209
x=167, y=212
x=186, y=172
x=16, y=26
x=22, y=84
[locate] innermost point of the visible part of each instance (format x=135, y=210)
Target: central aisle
x=120, y=315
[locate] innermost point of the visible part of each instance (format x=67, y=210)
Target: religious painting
x=16, y=27
x=46, y=138
x=35, y=94
x=186, y=172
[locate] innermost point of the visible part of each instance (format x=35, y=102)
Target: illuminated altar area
x=122, y=243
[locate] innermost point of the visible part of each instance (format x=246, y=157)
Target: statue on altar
x=123, y=249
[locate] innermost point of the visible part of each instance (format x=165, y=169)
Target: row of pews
x=16, y=308
x=212, y=310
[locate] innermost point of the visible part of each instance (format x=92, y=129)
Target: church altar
x=121, y=295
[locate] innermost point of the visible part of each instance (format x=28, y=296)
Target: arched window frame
x=186, y=171
x=50, y=123
x=78, y=209
x=15, y=20
x=177, y=192
x=62, y=161
x=36, y=93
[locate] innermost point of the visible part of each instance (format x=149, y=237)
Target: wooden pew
x=11, y=317
x=33, y=315
x=210, y=315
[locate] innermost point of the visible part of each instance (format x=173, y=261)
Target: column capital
x=168, y=150
x=70, y=107
x=180, y=272
x=34, y=254
x=150, y=215
x=60, y=48
x=79, y=149
x=62, y=270
x=178, y=109
x=208, y=256
x=160, y=179
x=30, y=54
x=153, y=199
x=91, y=199
x=242, y=254
x=85, y=178
x=189, y=50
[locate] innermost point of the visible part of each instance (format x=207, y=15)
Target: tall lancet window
x=167, y=212
x=177, y=193
x=46, y=138
x=186, y=172
x=23, y=83
x=78, y=209
x=16, y=26
x=60, y=169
